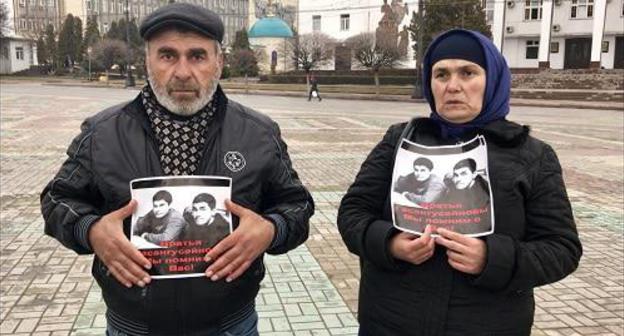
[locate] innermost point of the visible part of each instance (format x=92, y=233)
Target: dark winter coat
x=118, y=145
x=535, y=243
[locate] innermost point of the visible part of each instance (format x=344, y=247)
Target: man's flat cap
x=184, y=15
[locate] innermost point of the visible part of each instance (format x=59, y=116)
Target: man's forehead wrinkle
x=166, y=49
x=184, y=38
x=197, y=50
x=185, y=50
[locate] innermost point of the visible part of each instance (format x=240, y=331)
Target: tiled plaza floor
x=48, y=290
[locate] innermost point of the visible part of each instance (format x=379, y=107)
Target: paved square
x=48, y=290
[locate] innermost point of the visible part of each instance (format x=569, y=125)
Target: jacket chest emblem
x=234, y=161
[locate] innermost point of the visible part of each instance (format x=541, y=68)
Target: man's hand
x=411, y=248
x=235, y=253
x=110, y=244
x=465, y=254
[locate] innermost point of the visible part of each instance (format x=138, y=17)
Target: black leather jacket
x=118, y=145
x=535, y=242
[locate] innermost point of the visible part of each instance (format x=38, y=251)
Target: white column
x=498, y=25
x=600, y=12
x=545, y=31
x=33, y=51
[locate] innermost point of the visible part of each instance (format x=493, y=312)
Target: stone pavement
x=47, y=290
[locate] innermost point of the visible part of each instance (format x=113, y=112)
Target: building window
x=22, y=3
x=605, y=46
x=344, y=21
x=19, y=53
x=533, y=9
x=532, y=48
x=581, y=9
x=22, y=24
x=316, y=23
x=488, y=7
x=554, y=47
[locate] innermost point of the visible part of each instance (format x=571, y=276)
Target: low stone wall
x=547, y=79
x=571, y=80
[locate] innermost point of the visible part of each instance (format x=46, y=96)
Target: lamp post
x=418, y=89
x=89, y=51
x=129, y=78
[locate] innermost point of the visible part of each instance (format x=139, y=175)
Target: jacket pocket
x=133, y=303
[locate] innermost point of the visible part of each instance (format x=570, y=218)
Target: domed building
x=270, y=36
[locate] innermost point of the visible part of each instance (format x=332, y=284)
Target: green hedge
x=355, y=77
x=334, y=80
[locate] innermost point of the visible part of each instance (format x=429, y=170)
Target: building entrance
x=577, y=53
x=618, y=61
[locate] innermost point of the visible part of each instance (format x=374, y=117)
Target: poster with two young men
x=442, y=186
x=178, y=220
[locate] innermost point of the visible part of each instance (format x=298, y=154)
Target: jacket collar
x=505, y=133
x=502, y=132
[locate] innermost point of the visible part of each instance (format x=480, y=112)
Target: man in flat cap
x=181, y=123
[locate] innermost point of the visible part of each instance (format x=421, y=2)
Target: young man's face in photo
x=161, y=208
x=202, y=213
x=463, y=178
x=421, y=173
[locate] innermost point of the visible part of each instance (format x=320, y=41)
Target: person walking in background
x=314, y=91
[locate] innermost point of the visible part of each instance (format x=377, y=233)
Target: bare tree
x=4, y=18
x=309, y=51
x=109, y=52
x=372, y=55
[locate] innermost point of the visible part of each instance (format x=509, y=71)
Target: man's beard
x=185, y=107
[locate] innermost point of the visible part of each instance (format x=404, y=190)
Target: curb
x=614, y=106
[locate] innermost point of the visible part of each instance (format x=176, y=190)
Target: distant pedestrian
x=314, y=91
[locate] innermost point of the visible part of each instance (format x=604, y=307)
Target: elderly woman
x=453, y=284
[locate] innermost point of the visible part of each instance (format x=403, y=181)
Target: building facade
x=29, y=18
x=559, y=34
x=344, y=19
x=286, y=10
x=16, y=54
x=271, y=25
x=234, y=13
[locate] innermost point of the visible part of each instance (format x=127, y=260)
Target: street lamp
x=89, y=51
x=129, y=78
x=418, y=89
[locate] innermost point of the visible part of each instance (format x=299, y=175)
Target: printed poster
x=443, y=186
x=178, y=220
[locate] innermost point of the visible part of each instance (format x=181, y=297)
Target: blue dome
x=271, y=26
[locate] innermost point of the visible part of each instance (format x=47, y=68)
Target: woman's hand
x=411, y=248
x=465, y=254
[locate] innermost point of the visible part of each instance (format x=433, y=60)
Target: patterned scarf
x=180, y=140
